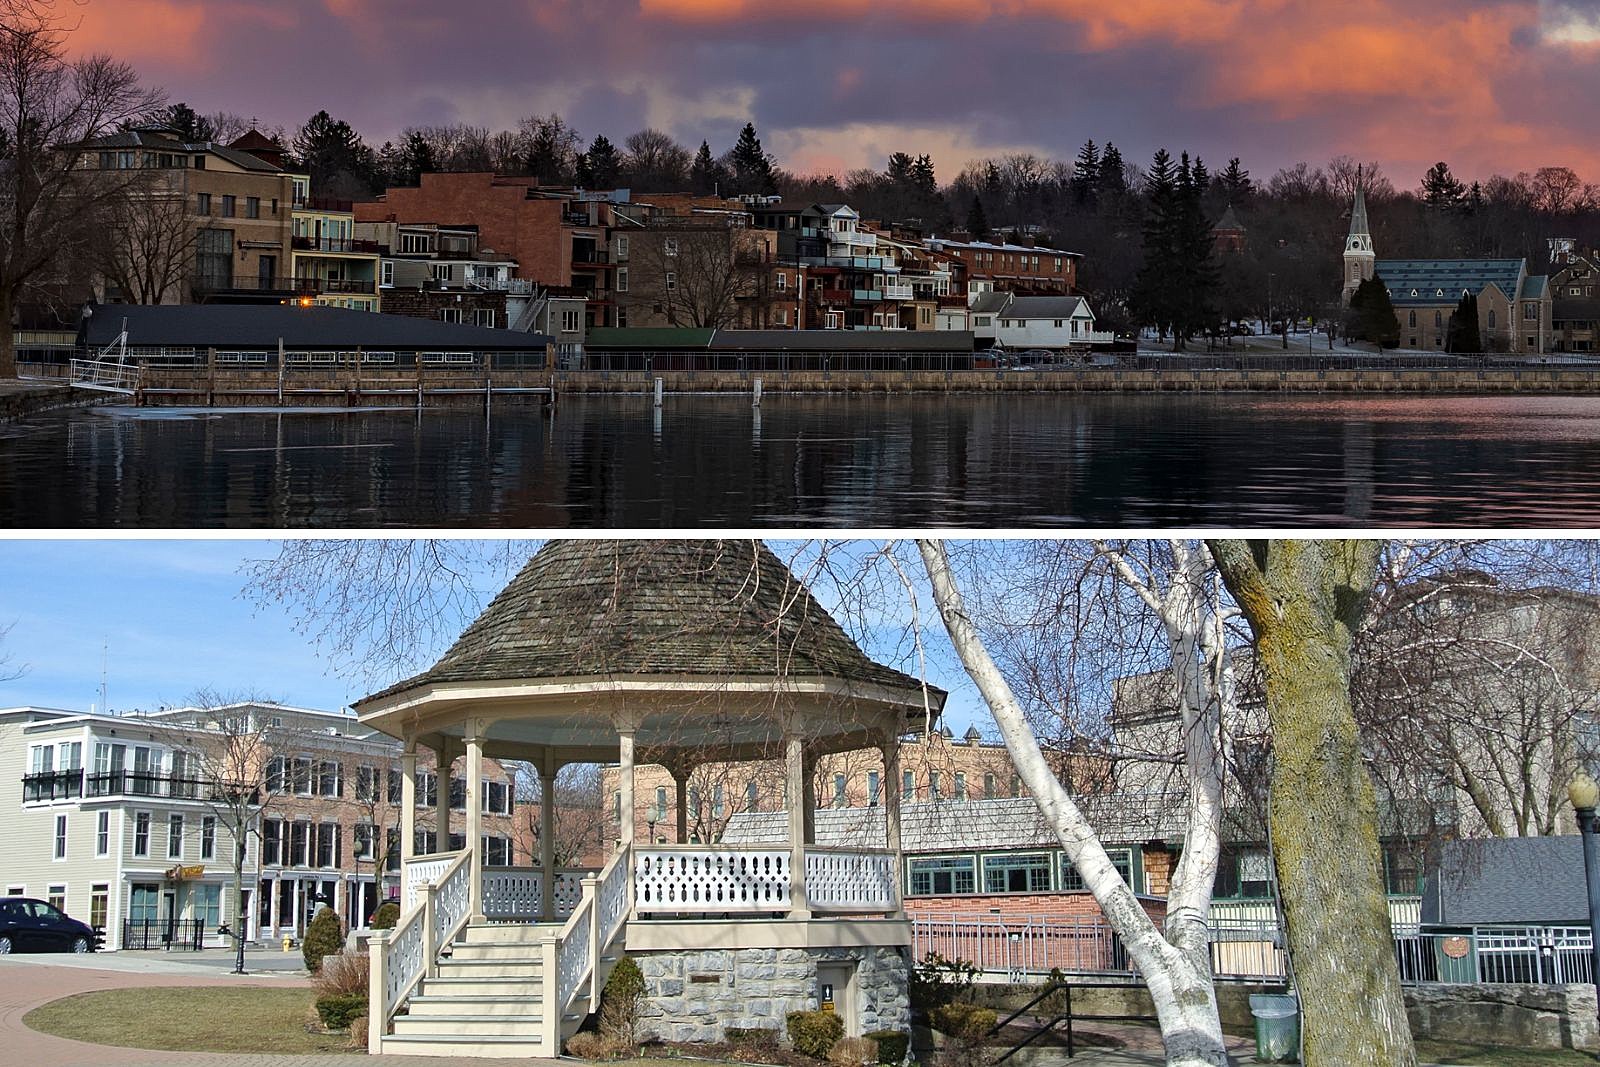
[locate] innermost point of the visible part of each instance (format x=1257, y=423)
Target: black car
x=28, y=925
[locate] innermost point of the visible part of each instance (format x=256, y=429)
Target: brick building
x=1023, y=269
x=1575, y=297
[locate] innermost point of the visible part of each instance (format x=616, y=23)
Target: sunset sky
x=1491, y=86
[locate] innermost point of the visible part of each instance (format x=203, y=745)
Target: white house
x=1024, y=322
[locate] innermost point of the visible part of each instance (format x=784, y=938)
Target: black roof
x=261, y=326
x=685, y=607
x=1513, y=880
x=841, y=341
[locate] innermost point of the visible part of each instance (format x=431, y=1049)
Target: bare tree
x=148, y=241
x=50, y=107
x=580, y=812
x=1305, y=600
x=654, y=162
x=696, y=275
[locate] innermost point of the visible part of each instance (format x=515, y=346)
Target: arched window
x=1438, y=318
x=1491, y=318
x=1411, y=320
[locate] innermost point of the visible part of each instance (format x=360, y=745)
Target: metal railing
x=334, y=285
x=42, y=786
x=105, y=374
x=74, y=783
x=346, y=245
x=142, y=934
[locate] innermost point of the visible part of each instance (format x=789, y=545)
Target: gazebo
x=674, y=652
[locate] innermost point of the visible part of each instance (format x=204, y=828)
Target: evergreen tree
x=706, y=175
x=1200, y=177
x=1371, y=315
x=412, y=159
x=752, y=169
x=183, y=121
x=899, y=171
x=552, y=149
x=1112, y=180
x=1440, y=188
x=1463, y=334
x=333, y=154
x=599, y=167
x=977, y=221
x=1235, y=183
x=1154, y=287
x=1194, y=269
x=1085, y=174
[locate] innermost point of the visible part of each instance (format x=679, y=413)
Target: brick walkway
x=27, y=983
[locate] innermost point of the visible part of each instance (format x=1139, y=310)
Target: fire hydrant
x=288, y=942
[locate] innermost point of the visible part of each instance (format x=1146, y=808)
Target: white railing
x=695, y=880
x=418, y=871
x=105, y=373
x=898, y=292
x=851, y=879
x=611, y=898
x=853, y=237
x=398, y=963
x=451, y=900
x=516, y=894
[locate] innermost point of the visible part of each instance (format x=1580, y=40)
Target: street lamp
x=1585, y=795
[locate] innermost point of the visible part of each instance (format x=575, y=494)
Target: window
x=873, y=784
x=366, y=782
x=102, y=833
x=450, y=315
x=752, y=795
x=395, y=781
x=495, y=798
x=386, y=273
x=1438, y=319
x=300, y=775
x=1411, y=319
x=1402, y=869
x=961, y=785
x=391, y=854
x=458, y=794
x=496, y=851
x=988, y=787
x=781, y=317
x=672, y=281
x=276, y=774
x=1026, y=873
x=271, y=842
x=72, y=755
x=99, y=899
x=622, y=279
x=1530, y=311
x=144, y=902
x=57, y=897
x=1491, y=318
x=941, y=875
x=1243, y=874
x=669, y=246
x=299, y=843
x=840, y=785
x=982, y=320
x=458, y=842
x=208, y=905
x=363, y=840
x=427, y=842
x=174, y=837
x=214, y=258
x=141, y=833
x=1016, y=785
x=427, y=789
x=908, y=784
x=330, y=778
x=108, y=758
x=483, y=317
x=328, y=844
x=443, y=272
x=202, y=203
x=933, y=785
x=781, y=281
x=1121, y=859
x=622, y=248
x=61, y=837
x=570, y=322
x=252, y=207
x=43, y=759
x=229, y=204
x=1057, y=324
x=208, y=837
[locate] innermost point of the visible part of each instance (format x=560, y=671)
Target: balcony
x=228, y=283
x=77, y=784
x=336, y=245
x=899, y=292
x=853, y=237
x=866, y=296
x=596, y=258
x=323, y=203
x=335, y=285
x=44, y=786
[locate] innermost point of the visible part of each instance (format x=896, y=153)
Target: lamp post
x=1585, y=795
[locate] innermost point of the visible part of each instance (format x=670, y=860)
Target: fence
x=1248, y=950
x=185, y=934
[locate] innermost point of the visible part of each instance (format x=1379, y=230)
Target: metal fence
x=181, y=934
x=1022, y=949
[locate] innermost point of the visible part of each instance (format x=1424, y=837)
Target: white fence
x=710, y=880
x=851, y=880
x=517, y=893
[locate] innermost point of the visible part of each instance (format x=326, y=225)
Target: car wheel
x=5, y=946
x=81, y=945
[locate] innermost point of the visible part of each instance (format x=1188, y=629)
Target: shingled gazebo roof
x=691, y=613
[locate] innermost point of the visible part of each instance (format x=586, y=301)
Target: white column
x=547, y=835
x=891, y=813
x=475, y=813
x=680, y=781
x=794, y=769
x=408, y=804
x=627, y=830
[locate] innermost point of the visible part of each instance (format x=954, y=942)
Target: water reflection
x=698, y=461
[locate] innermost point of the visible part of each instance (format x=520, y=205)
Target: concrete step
x=507, y=933
x=454, y=1003
x=447, y=985
x=505, y=1046
x=469, y=1026
x=454, y=968
x=496, y=950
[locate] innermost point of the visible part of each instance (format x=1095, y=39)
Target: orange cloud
x=135, y=30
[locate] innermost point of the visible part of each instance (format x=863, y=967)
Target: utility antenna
x=106, y=708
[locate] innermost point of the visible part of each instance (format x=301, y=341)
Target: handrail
x=451, y=897
x=1049, y=989
x=400, y=958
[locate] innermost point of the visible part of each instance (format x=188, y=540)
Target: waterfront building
x=1023, y=322
x=601, y=651
x=1024, y=269
x=330, y=265
x=1574, y=297
x=1514, y=307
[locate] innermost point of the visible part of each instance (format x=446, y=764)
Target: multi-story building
x=126, y=818
x=330, y=264
x=1023, y=269
x=1575, y=302
x=223, y=214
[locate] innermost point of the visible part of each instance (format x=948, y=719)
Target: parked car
x=28, y=925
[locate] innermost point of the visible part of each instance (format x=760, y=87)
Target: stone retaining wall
x=21, y=402
x=697, y=996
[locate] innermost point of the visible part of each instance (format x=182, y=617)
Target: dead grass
x=188, y=1019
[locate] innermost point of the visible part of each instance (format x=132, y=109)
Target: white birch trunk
x=1177, y=972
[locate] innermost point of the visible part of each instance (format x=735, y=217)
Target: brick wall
x=427, y=303
x=1066, y=906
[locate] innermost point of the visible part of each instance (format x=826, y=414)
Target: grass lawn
x=190, y=1019
x=1499, y=1056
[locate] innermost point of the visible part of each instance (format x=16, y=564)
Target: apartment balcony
x=952, y=300
x=337, y=245
x=219, y=284
x=78, y=784
x=360, y=286
x=597, y=258
x=323, y=203
x=899, y=292
x=853, y=262
x=854, y=238
x=866, y=296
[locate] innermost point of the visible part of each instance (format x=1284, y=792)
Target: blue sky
x=173, y=619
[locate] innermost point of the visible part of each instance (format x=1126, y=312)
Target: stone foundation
x=1526, y=1016
x=698, y=995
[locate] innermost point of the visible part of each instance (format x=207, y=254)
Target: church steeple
x=1359, y=258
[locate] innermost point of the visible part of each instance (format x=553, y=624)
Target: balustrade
x=517, y=893
x=851, y=880
x=711, y=880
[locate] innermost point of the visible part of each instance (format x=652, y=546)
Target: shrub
x=619, y=1002
x=853, y=1052
x=813, y=1033
x=358, y=1033
x=751, y=1037
x=386, y=916
x=336, y=1010
x=341, y=973
x=588, y=1045
x=966, y=1022
x=892, y=1045
x=937, y=981
x=324, y=937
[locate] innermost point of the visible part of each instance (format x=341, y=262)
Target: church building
x=1514, y=307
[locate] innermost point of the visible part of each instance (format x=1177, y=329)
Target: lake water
x=822, y=461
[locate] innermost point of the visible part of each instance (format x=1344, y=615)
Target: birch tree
x=1174, y=960
x=1304, y=600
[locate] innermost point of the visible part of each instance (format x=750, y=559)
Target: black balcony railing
x=323, y=203
x=52, y=785
x=333, y=285
x=335, y=244
x=582, y=257
x=243, y=283
x=154, y=784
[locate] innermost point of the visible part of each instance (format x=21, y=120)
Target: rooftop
x=257, y=326
x=1532, y=880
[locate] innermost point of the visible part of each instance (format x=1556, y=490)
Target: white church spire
x=1359, y=258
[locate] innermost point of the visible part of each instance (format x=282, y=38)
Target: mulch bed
x=742, y=1052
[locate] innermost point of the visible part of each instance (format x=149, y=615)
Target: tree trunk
x=1177, y=975
x=8, y=338
x=1304, y=599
